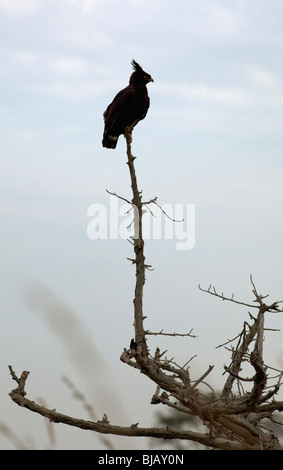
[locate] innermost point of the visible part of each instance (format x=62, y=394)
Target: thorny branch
x=161, y=333
x=233, y=420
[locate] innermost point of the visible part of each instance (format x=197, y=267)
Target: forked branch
x=232, y=420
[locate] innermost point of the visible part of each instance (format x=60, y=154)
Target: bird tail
x=109, y=141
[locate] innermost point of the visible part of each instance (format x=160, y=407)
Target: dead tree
x=232, y=420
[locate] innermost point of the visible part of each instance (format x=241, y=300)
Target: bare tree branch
x=232, y=420
x=140, y=337
x=119, y=197
x=104, y=426
x=222, y=297
x=161, y=333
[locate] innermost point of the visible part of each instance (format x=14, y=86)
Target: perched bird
x=129, y=107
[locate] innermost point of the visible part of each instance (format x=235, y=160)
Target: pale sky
x=212, y=138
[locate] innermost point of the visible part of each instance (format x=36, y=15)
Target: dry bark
x=232, y=420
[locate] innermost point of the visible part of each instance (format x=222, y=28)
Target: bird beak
x=151, y=80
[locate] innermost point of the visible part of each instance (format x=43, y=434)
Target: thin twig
x=165, y=213
x=222, y=297
x=119, y=197
x=161, y=333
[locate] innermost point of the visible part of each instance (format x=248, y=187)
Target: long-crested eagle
x=129, y=107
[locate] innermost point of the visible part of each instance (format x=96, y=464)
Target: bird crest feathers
x=136, y=66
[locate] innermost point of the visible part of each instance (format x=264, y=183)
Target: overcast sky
x=212, y=138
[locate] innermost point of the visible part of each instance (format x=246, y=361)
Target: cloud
x=89, y=39
x=70, y=66
x=18, y=6
x=84, y=5
x=200, y=92
x=264, y=78
x=69, y=90
x=60, y=76
x=267, y=89
x=220, y=21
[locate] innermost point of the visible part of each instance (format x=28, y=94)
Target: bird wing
x=120, y=111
